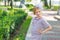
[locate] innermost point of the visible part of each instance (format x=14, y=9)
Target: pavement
x=53, y=19
x=54, y=34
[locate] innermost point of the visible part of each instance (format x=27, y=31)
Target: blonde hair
x=35, y=8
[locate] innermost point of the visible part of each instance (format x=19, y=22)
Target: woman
x=39, y=25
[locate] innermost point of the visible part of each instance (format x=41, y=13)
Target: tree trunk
x=21, y=3
x=50, y=3
x=5, y=2
x=8, y=2
x=11, y=4
x=45, y=2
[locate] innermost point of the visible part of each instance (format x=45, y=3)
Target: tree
x=58, y=12
x=11, y=4
x=45, y=2
x=8, y=2
x=22, y=2
x=0, y=0
x=5, y=2
x=16, y=0
x=28, y=0
x=50, y=3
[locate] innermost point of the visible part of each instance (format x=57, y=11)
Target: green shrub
x=1, y=14
x=29, y=6
x=9, y=21
x=23, y=29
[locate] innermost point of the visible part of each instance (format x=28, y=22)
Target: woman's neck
x=40, y=16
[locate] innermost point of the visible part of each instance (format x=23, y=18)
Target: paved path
x=54, y=34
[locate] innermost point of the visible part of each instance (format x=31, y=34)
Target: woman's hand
x=40, y=31
x=45, y=31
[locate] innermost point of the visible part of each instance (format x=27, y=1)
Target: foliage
x=29, y=6
x=23, y=29
x=28, y=0
x=56, y=7
x=9, y=21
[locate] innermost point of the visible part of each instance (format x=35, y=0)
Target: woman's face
x=37, y=12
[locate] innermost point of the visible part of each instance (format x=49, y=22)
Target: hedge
x=10, y=21
x=23, y=30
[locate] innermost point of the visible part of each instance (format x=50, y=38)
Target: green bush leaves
x=9, y=21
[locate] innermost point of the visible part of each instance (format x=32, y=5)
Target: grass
x=23, y=29
x=55, y=8
x=8, y=7
x=46, y=7
x=5, y=7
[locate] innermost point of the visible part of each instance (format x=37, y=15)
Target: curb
x=57, y=17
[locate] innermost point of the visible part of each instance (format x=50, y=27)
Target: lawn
x=56, y=7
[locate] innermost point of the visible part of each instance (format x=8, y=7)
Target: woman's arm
x=45, y=25
x=47, y=29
